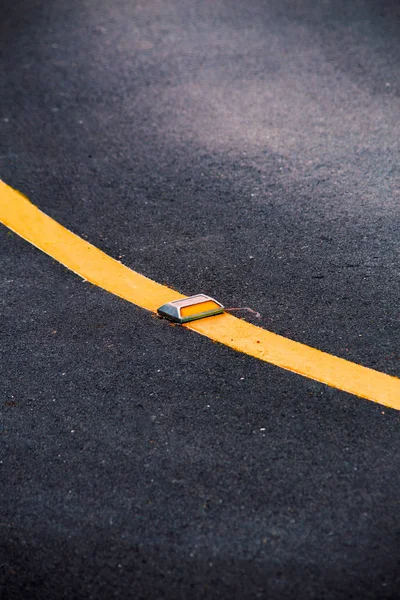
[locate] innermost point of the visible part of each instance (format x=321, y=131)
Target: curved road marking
x=25, y=219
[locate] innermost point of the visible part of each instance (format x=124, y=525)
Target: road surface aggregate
x=246, y=150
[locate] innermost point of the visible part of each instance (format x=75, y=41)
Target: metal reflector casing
x=191, y=309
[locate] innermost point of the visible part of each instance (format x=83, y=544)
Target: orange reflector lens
x=188, y=311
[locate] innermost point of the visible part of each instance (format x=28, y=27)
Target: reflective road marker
x=191, y=309
x=25, y=219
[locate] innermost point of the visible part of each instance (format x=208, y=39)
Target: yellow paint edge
x=87, y=261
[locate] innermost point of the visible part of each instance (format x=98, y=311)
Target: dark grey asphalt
x=249, y=150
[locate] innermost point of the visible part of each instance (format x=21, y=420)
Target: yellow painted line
x=25, y=219
x=21, y=216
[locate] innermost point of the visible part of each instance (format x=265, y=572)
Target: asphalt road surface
x=244, y=149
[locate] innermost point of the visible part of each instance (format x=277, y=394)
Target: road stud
x=191, y=309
